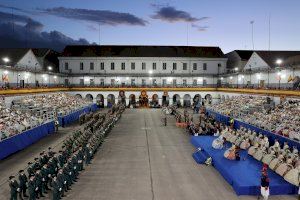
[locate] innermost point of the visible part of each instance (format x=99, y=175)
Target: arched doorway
x=165, y=99
x=143, y=99
x=223, y=98
x=111, y=100
x=122, y=97
x=197, y=99
x=154, y=103
x=100, y=100
x=176, y=100
x=89, y=97
x=187, y=100
x=208, y=99
x=132, y=101
x=78, y=96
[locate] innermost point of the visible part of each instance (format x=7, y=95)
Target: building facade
x=141, y=65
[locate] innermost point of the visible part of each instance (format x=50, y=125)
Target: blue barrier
x=25, y=139
x=237, y=124
x=243, y=175
x=71, y=118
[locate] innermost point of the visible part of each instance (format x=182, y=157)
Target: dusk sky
x=55, y=23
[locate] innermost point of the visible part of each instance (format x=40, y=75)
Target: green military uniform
x=32, y=189
x=56, y=189
x=23, y=181
x=14, y=188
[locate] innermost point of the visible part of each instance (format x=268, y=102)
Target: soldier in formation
x=59, y=171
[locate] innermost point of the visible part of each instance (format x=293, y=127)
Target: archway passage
x=143, y=99
x=111, y=100
x=78, y=96
x=187, y=100
x=100, y=100
x=122, y=97
x=132, y=101
x=89, y=97
x=154, y=103
x=197, y=99
x=176, y=100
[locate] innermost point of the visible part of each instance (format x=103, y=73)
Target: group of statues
x=58, y=171
x=281, y=158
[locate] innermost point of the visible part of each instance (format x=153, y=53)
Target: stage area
x=243, y=175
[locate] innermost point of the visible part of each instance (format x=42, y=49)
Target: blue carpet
x=244, y=175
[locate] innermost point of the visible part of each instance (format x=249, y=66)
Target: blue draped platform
x=243, y=175
x=237, y=124
x=25, y=139
x=72, y=117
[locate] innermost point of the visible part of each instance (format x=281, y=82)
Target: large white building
x=142, y=65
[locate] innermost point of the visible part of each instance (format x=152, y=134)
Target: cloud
x=200, y=28
x=171, y=14
x=26, y=32
x=97, y=16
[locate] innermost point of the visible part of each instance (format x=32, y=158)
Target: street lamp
x=6, y=59
x=236, y=69
x=150, y=72
x=279, y=61
x=50, y=68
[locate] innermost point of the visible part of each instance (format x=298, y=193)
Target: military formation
x=56, y=172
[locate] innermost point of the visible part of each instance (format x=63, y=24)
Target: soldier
x=80, y=156
x=23, y=181
x=32, y=188
x=61, y=182
x=61, y=159
x=56, y=189
x=45, y=177
x=75, y=165
x=30, y=169
x=50, y=152
x=14, y=188
x=39, y=184
x=36, y=164
x=88, y=154
x=67, y=176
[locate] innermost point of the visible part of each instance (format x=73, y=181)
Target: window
x=143, y=82
x=154, y=66
x=184, y=66
x=102, y=82
x=174, y=82
x=195, y=82
x=112, y=81
x=184, y=82
x=164, y=66
x=204, y=66
x=81, y=81
x=91, y=66
x=132, y=82
x=123, y=66
x=66, y=66
x=219, y=65
x=92, y=82
x=174, y=66
x=194, y=66
x=154, y=82
x=81, y=66
x=112, y=66
x=102, y=66
x=164, y=82
x=143, y=66
x=66, y=82
x=204, y=82
x=132, y=66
